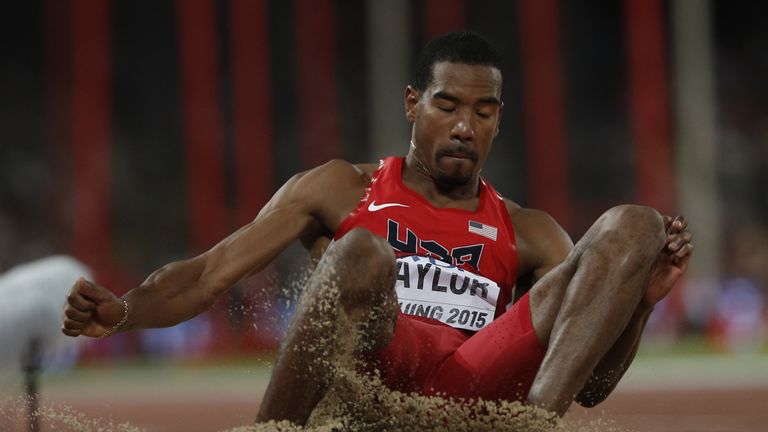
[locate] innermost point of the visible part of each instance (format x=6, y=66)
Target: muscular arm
x=180, y=290
x=183, y=289
x=542, y=244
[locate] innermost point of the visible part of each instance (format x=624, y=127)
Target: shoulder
x=336, y=170
x=329, y=192
x=324, y=191
x=542, y=243
x=367, y=168
x=335, y=175
x=528, y=219
x=535, y=226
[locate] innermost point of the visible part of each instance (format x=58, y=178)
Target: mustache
x=463, y=150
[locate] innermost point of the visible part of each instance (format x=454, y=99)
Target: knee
x=366, y=284
x=367, y=253
x=639, y=223
x=368, y=265
x=642, y=217
x=632, y=230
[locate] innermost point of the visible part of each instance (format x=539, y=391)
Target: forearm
x=615, y=362
x=172, y=294
x=181, y=290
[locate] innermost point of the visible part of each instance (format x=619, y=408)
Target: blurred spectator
x=739, y=322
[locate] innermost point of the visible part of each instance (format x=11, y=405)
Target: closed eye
x=486, y=110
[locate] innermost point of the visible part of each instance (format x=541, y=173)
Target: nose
x=462, y=128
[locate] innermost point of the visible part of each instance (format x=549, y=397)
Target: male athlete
x=432, y=265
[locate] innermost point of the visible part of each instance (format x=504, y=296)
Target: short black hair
x=464, y=47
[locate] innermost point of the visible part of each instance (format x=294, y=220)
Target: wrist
x=119, y=324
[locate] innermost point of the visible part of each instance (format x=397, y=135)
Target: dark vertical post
x=252, y=106
x=91, y=131
x=202, y=122
x=649, y=103
x=31, y=369
x=58, y=86
x=443, y=16
x=316, y=72
x=544, y=112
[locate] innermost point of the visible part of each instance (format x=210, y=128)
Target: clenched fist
x=91, y=310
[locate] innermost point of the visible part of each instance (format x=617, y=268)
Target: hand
x=91, y=310
x=672, y=261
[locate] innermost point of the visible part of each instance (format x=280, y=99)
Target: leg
x=581, y=307
x=352, y=284
x=499, y=362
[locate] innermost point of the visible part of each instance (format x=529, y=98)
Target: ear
x=411, y=97
x=498, y=119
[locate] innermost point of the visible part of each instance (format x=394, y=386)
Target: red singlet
x=456, y=270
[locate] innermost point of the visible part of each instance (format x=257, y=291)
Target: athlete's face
x=455, y=120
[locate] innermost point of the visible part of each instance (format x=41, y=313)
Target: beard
x=450, y=181
x=452, y=178
x=453, y=175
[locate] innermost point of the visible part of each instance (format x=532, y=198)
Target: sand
x=355, y=402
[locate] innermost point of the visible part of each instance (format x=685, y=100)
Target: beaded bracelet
x=119, y=324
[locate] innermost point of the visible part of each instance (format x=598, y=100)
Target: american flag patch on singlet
x=487, y=231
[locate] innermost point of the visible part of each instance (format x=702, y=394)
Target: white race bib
x=432, y=288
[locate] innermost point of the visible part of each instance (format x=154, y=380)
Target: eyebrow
x=486, y=100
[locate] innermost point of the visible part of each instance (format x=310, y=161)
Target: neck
x=420, y=178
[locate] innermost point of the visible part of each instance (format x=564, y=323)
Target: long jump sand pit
x=703, y=393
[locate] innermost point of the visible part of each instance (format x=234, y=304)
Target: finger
x=70, y=332
x=667, y=221
x=77, y=301
x=70, y=324
x=675, y=226
x=687, y=236
x=673, y=243
x=93, y=292
x=682, y=257
x=680, y=224
x=684, y=251
x=77, y=315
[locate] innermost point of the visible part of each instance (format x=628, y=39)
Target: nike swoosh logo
x=372, y=207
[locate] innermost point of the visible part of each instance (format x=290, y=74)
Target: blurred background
x=135, y=133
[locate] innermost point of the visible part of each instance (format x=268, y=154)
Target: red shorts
x=429, y=357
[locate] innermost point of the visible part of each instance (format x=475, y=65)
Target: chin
x=455, y=174
x=453, y=180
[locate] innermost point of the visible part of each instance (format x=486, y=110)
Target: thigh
x=618, y=246
x=547, y=295
x=498, y=362
x=418, y=347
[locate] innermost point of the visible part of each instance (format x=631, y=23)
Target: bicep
x=300, y=206
x=549, y=243
x=249, y=249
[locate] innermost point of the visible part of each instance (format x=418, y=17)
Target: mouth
x=460, y=154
